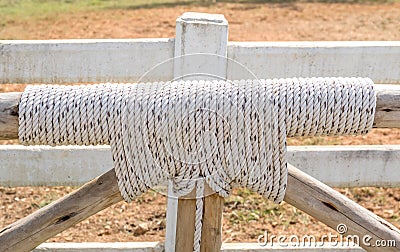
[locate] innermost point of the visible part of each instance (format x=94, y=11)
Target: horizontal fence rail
x=158, y=247
x=78, y=61
x=372, y=165
x=101, y=247
x=127, y=60
x=379, y=61
x=387, y=114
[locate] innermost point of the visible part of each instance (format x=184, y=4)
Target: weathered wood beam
x=211, y=238
x=9, y=115
x=387, y=110
x=387, y=113
x=332, y=208
x=303, y=191
x=211, y=234
x=27, y=233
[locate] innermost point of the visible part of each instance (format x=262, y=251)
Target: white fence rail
x=379, y=61
x=78, y=61
x=127, y=60
x=74, y=165
x=158, y=247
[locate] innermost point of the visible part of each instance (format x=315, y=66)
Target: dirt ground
x=247, y=22
x=246, y=215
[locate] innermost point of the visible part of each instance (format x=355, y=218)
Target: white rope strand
x=199, y=214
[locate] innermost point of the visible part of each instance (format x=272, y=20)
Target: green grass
x=12, y=9
x=28, y=9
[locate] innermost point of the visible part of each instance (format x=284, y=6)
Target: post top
x=198, y=17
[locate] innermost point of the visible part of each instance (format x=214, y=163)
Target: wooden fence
x=132, y=60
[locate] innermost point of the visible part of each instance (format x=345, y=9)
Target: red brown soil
x=247, y=22
x=246, y=215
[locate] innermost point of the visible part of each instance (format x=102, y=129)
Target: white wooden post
x=200, y=53
x=200, y=33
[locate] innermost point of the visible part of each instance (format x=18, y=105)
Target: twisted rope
x=225, y=133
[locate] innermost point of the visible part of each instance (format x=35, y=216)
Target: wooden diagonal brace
x=27, y=233
x=332, y=208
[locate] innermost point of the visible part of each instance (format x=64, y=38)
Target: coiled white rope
x=226, y=133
